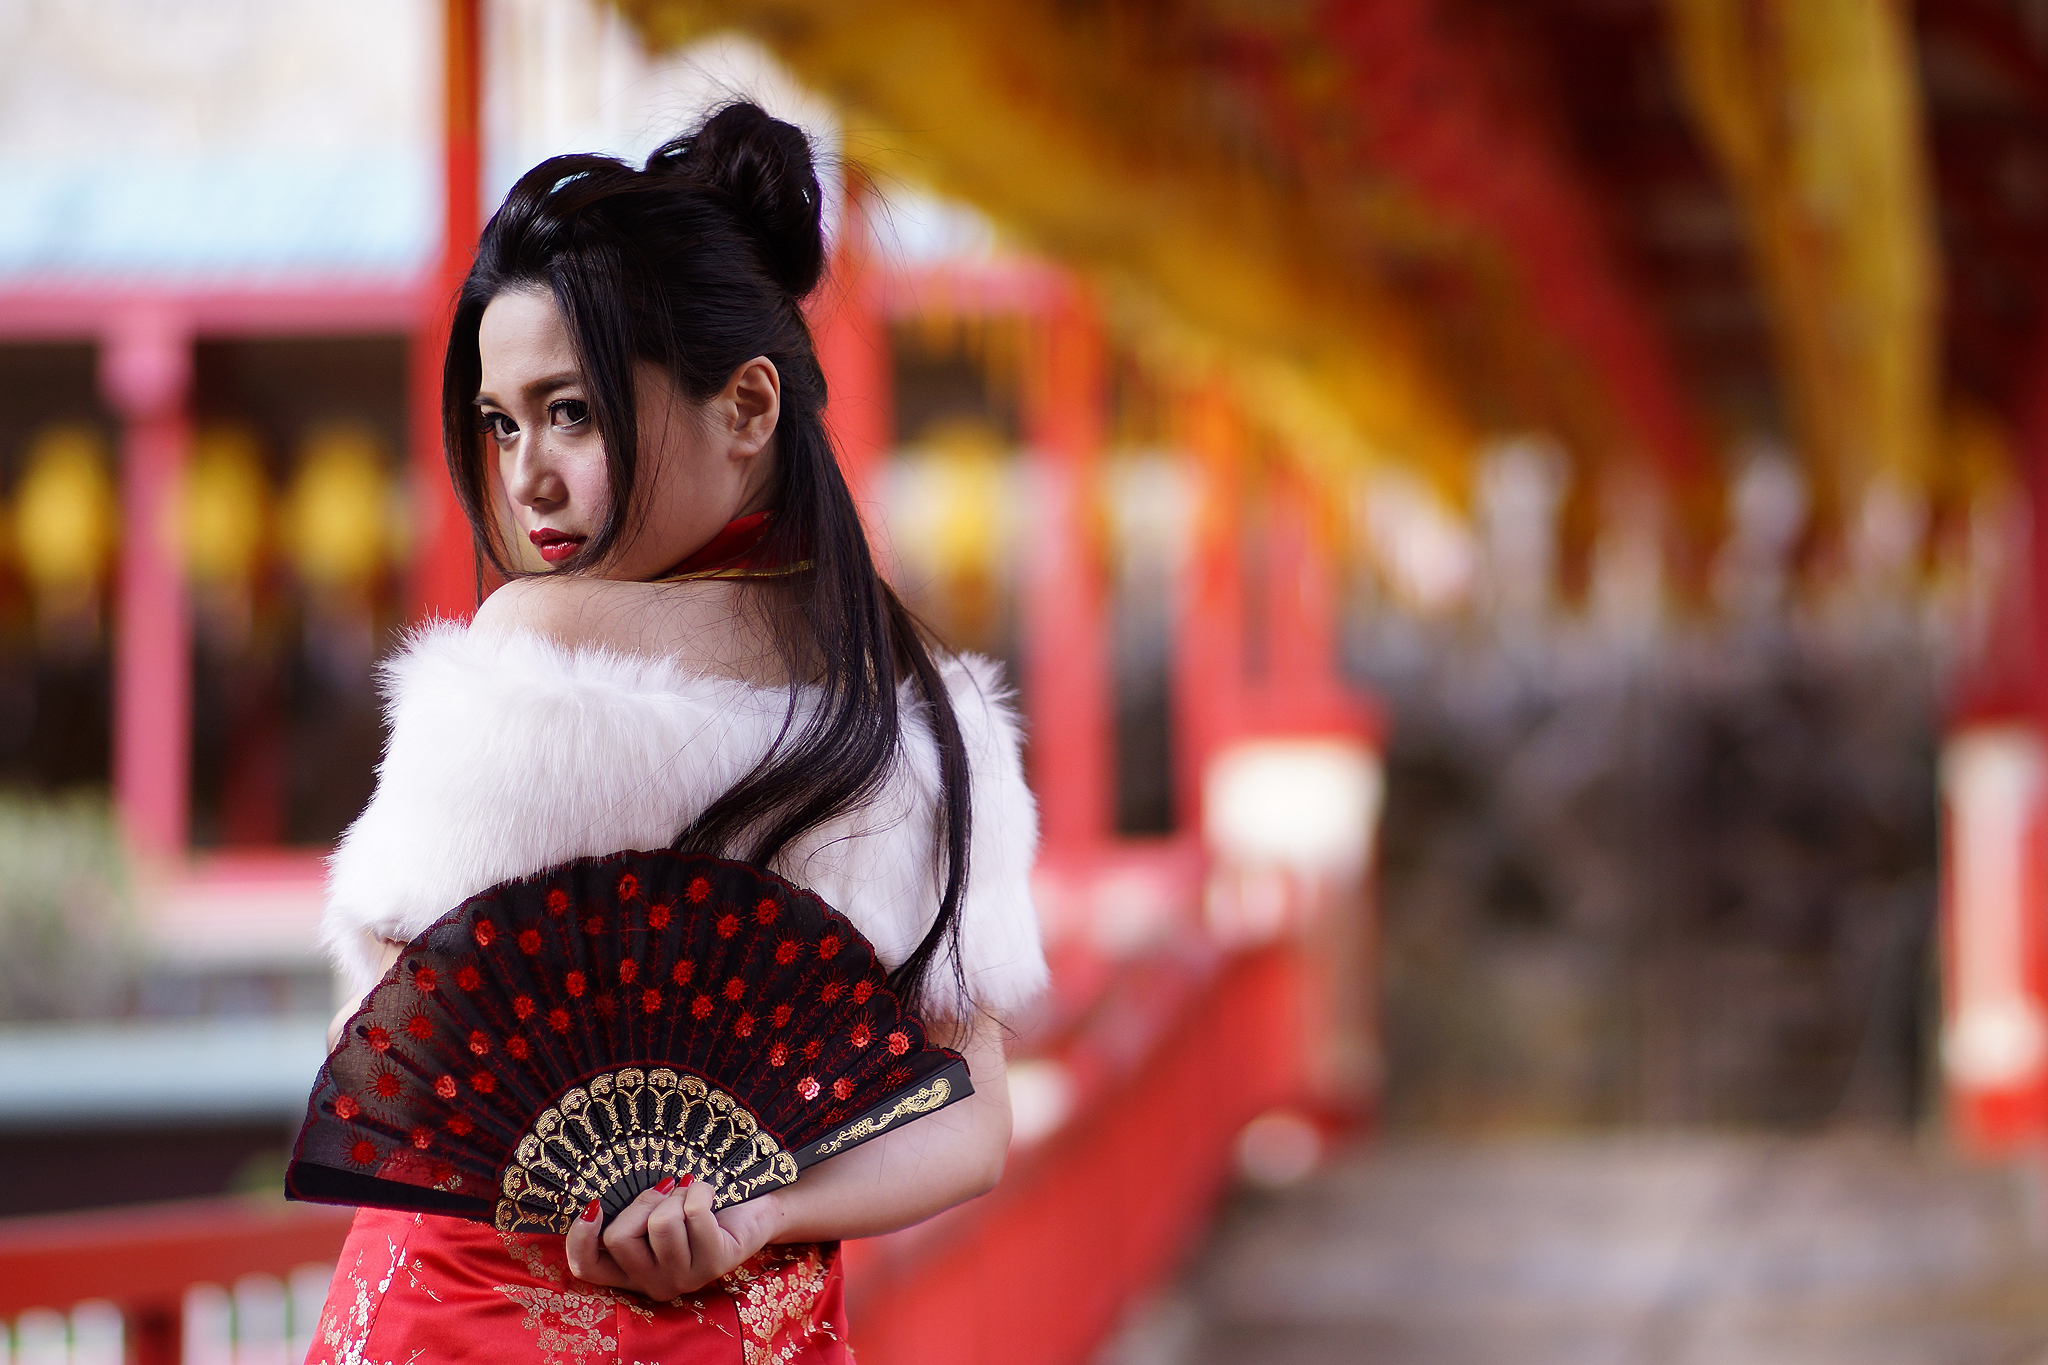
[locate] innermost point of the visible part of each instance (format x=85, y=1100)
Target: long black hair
x=697, y=263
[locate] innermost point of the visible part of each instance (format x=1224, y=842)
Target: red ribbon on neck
x=736, y=546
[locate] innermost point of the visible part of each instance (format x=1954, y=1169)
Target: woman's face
x=701, y=465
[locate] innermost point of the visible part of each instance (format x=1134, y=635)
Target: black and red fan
x=582, y=1033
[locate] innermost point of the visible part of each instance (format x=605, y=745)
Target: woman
x=713, y=662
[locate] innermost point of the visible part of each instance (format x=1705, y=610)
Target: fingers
x=668, y=1241
x=625, y=1239
x=668, y=1233
x=585, y=1250
x=630, y=1222
x=710, y=1244
x=694, y=1248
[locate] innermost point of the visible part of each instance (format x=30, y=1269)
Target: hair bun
x=763, y=165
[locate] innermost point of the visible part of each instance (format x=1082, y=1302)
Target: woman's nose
x=530, y=477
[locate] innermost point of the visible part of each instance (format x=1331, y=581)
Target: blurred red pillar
x=1067, y=684
x=1303, y=690
x=1994, y=1025
x=1297, y=695
x=1300, y=601
x=1994, y=873
x=146, y=376
x=1208, y=641
x=853, y=350
x=444, y=569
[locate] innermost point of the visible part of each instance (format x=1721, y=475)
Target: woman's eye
x=496, y=425
x=569, y=412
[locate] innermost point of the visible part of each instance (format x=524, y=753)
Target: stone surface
x=1678, y=1250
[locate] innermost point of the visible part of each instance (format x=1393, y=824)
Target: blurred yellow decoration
x=971, y=499
x=1977, y=457
x=1069, y=127
x=955, y=525
x=64, y=511
x=337, y=524
x=227, y=500
x=1813, y=107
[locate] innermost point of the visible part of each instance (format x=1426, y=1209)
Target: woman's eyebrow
x=533, y=390
x=541, y=388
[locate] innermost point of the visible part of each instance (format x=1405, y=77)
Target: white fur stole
x=509, y=755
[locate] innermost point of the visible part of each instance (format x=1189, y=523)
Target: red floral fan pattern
x=584, y=1032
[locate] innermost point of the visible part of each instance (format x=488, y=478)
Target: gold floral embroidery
x=775, y=1292
x=412, y=1273
x=699, y=1307
x=531, y=1258
x=565, y=1322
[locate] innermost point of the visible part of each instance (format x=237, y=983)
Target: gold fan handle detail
x=628, y=1128
x=917, y=1102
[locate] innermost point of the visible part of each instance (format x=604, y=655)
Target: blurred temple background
x=1511, y=520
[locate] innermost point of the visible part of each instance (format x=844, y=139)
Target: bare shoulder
x=704, y=626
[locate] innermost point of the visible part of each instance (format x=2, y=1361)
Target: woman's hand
x=668, y=1242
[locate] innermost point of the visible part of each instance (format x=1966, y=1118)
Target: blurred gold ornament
x=1092, y=142
x=971, y=493
x=1813, y=107
x=226, y=507
x=64, y=511
x=953, y=518
x=337, y=524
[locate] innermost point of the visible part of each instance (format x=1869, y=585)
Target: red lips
x=554, y=546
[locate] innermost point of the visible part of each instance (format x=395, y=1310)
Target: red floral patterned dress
x=414, y=1287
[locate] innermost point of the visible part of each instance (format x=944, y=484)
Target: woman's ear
x=753, y=401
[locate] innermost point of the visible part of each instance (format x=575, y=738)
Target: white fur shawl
x=512, y=754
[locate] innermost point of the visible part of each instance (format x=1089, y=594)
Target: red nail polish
x=590, y=1212
x=687, y=1178
x=665, y=1184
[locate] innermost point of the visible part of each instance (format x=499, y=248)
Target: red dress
x=414, y=1287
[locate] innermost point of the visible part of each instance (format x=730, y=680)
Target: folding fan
x=580, y=1034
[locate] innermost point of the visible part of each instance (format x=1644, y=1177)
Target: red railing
x=143, y=1260
x=1039, y=1272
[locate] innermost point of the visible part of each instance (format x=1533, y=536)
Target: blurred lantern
x=337, y=524
x=1425, y=553
x=955, y=501
x=1885, y=540
x=64, y=529
x=1521, y=487
x=1306, y=804
x=226, y=509
x=1289, y=821
x=1768, y=506
x=1627, y=589
x=1150, y=505
x=225, y=506
x=339, y=533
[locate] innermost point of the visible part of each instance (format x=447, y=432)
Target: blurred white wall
x=138, y=79
x=571, y=76
x=239, y=140
x=231, y=138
